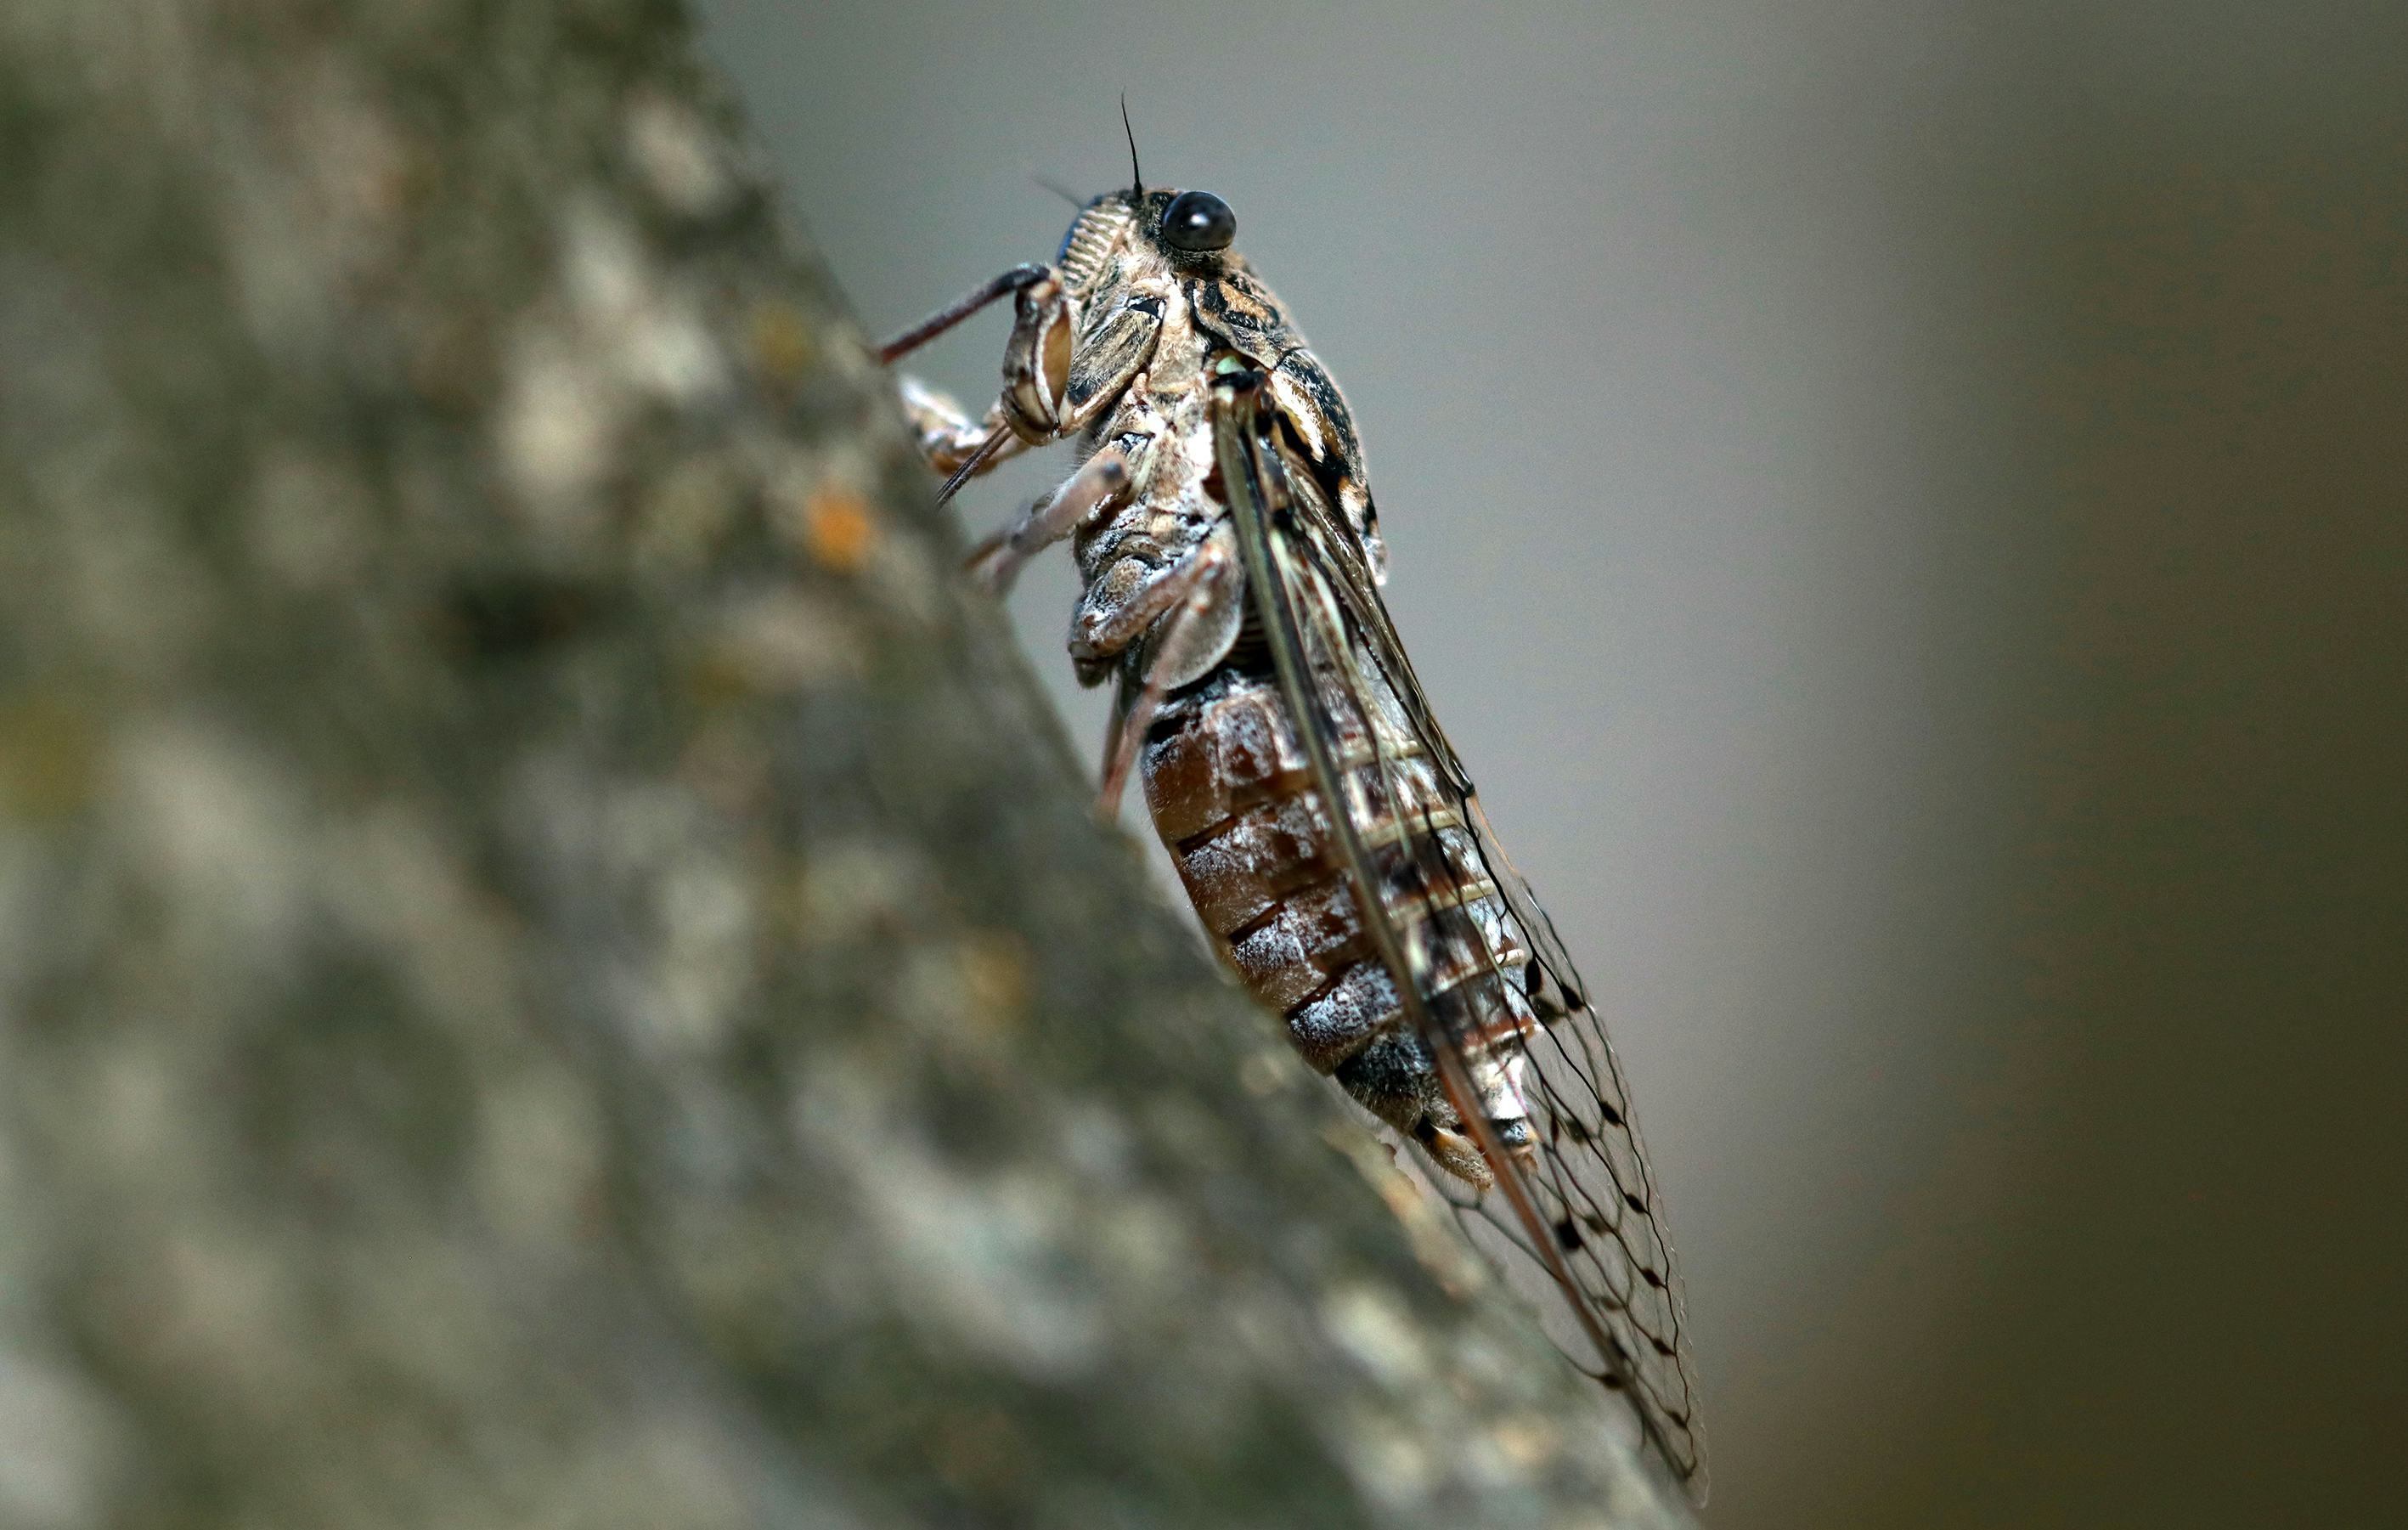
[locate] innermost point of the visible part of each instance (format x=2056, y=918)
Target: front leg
x=1057, y=375
x=1036, y=371
x=1018, y=279
x=945, y=433
x=1060, y=373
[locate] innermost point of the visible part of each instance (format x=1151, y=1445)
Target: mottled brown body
x=1228, y=784
x=1331, y=843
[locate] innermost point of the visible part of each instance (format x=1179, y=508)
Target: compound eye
x=1199, y=222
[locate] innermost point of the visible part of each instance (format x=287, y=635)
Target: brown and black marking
x=1327, y=833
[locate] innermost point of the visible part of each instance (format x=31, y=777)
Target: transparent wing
x=1572, y=1214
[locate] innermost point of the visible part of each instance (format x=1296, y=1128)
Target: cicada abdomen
x=1232, y=795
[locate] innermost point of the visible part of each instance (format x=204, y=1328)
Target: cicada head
x=1125, y=236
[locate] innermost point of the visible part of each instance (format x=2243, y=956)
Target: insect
x=1327, y=834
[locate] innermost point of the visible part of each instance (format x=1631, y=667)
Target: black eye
x=1197, y=222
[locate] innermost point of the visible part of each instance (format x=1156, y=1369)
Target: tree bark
x=554, y=968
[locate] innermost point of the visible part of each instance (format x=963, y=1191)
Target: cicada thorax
x=1232, y=795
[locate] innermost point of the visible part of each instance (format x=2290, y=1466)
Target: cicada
x=1327, y=834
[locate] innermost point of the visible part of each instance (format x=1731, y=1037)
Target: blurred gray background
x=1901, y=506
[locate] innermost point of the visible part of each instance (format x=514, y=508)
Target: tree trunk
x=554, y=969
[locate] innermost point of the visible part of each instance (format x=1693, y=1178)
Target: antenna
x=1136, y=177
x=1058, y=189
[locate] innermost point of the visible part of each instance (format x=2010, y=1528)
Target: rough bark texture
x=553, y=969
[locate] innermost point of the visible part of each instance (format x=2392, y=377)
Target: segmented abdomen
x=1233, y=798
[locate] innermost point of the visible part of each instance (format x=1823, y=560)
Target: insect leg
x=1094, y=488
x=990, y=452
x=1126, y=599
x=1205, y=582
x=1037, y=376
x=943, y=430
x=1016, y=280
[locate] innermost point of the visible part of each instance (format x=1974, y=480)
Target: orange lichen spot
x=1527, y=1441
x=837, y=529
x=781, y=342
x=996, y=977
